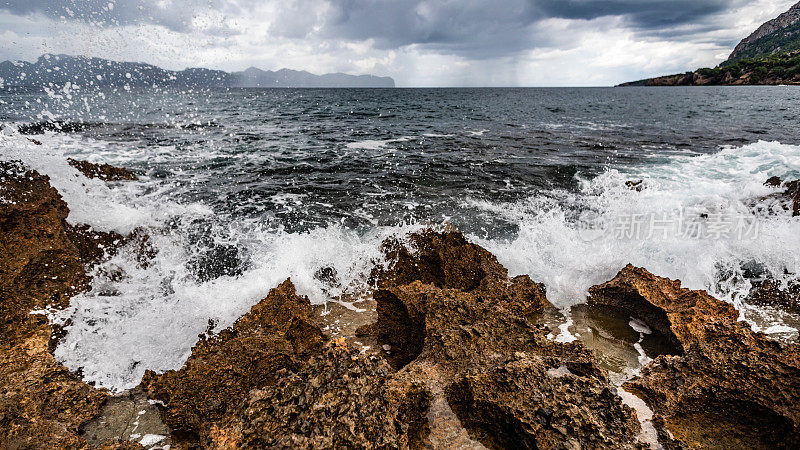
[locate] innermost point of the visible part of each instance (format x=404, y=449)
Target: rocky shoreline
x=463, y=356
x=775, y=70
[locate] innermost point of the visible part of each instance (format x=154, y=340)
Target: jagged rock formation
x=105, y=172
x=776, y=35
x=278, y=333
x=42, y=404
x=723, y=385
x=341, y=399
x=470, y=367
x=463, y=361
x=784, y=199
x=773, y=293
x=790, y=195
x=456, y=322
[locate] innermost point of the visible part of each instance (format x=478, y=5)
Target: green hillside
x=782, y=67
x=786, y=39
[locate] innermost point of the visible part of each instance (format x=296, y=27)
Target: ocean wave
x=147, y=315
x=203, y=271
x=569, y=240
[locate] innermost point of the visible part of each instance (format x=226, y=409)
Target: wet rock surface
x=722, y=385
x=618, y=347
x=278, y=333
x=789, y=198
x=458, y=357
x=445, y=260
x=461, y=362
x=105, y=172
x=56, y=126
x=341, y=399
x=42, y=404
x=453, y=320
x=773, y=293
x=128, y=417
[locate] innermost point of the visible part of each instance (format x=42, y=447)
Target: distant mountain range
x=96, y=72
x=769, y=56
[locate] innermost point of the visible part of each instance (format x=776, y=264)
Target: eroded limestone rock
x=105, y=172
x=42, y=404
x=723, y=385
x=278, y=333
x=462, y=327
x=470, y=367
x=341, y=399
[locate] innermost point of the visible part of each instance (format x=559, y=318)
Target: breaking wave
x=197, y=270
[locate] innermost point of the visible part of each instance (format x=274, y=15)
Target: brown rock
x=470, y=334
x=105, y=172
x=723, y=386
x=475, y=369
x=773, y=182
x=635, y=185
x=278, y=333
x=772, y=293
x=444, y=259
x=42, y=405
x=793, y=193
x=790, y=196
x=341, y=399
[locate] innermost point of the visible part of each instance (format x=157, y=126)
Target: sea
x=242, y=188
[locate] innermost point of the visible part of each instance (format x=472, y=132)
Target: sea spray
x=147, y=314
x=571, y=241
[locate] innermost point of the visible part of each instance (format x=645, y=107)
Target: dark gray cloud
x=175, y=15
x=488, y=28
x=641, y=14
x=472, y=28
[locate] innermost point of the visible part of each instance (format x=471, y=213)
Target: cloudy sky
x=417, y=42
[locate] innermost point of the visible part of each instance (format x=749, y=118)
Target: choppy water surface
x=243, y=188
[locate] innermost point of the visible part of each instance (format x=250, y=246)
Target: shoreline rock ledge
x=724, y=385
x=468, y=366
x=461, y=358
x=43, y=261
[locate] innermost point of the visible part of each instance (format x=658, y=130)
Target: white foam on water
x=639, y=326
x=564, y=336
x=372, y=144
x=554, y=244
x=149, y=316
x=649, y=434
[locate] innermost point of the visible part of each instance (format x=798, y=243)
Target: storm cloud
x=504, y=26
x=379, y=33
x=176, y=15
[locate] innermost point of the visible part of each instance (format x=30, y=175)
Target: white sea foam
x=150, y=318
x=371, y=144
x=648, y=434
x=139, y=317
x=91, y=201
x=553, y=247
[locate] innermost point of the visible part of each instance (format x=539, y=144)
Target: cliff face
x=779, y=34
